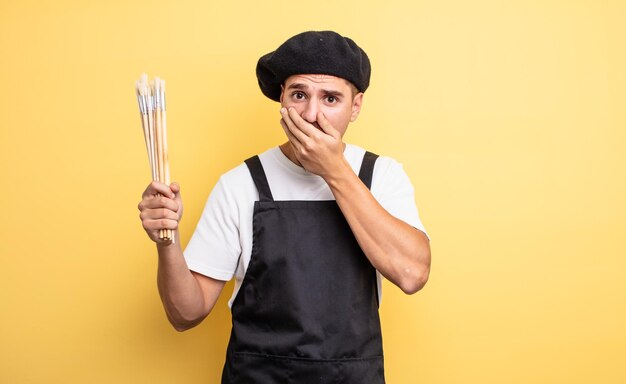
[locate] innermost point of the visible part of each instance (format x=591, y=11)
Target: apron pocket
x=252, y=368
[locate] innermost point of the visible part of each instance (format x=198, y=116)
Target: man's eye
x=298, y=95
x=331, y=99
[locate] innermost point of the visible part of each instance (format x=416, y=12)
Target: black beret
x=324, y=52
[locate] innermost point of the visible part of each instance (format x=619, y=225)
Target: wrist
x=167, y=246
x=342, y=174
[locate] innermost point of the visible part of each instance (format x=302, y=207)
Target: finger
x=327, y=126
x=155, y=225
x=158, y=214
x=155, y=188
x=292, y=139
x=175, y=188
x=307, y=128
x=158, y=202
x=291, y=125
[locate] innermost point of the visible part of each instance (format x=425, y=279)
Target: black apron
x=307, y=309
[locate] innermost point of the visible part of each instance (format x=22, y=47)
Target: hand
x=161, y=207
x=319, y=150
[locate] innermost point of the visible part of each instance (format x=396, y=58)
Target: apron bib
x=307, y=309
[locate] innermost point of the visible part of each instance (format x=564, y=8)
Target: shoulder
x=385, y=169
x=236, y=176
x=240, y=175
x=235, y=188
x=388, y=167
x=238, y=181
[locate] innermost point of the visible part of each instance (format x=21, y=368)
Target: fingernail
x=283, y=110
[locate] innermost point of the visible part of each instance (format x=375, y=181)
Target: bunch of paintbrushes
x=151, y=98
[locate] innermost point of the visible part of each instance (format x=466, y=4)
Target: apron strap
x=367, y=168
x=265, y=194
x=259, y=178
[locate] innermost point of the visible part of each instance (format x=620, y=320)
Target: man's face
x=335, y=97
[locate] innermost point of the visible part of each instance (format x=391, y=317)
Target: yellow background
x=509, y=117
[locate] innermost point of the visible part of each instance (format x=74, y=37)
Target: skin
x=187, y=297
x=316, y=111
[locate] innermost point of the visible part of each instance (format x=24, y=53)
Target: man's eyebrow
x=332, y=93
x=297, y=86
x=304, y=87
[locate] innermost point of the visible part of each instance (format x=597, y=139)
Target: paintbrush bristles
x=151, y=99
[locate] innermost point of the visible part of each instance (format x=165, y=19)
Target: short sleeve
x=392, y=188
x=215, y=247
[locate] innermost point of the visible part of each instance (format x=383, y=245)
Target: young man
x=306, y=229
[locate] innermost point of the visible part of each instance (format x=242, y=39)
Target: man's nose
x=310, y=111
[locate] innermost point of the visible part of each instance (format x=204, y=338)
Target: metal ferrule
x=142, y=104
x=157, y=98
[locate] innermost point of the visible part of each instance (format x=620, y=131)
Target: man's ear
x=282, y=92
x=357, y=102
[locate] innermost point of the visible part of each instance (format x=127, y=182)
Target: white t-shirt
x=221, y=245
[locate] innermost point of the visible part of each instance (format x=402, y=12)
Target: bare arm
x=398, y=251
x=187, y=297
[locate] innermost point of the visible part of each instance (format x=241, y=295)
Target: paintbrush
x=151, y=99
x=142, y=99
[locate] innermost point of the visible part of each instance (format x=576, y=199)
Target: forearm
x=398, y=251
x=180, y=292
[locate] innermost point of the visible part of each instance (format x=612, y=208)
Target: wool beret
x=324, y=52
